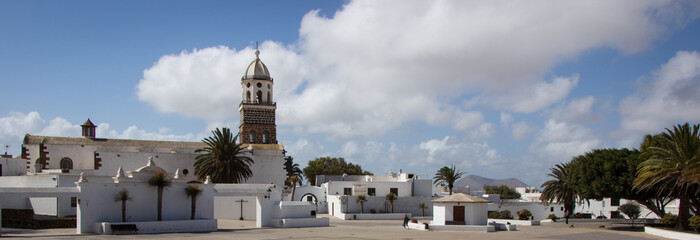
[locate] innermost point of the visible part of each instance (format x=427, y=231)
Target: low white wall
x=417, y=226
x=538, y=210
x=44, y=205
x=201, y=225
x=401, y=205
x=369, y=216
x=671, y=234
x=516, y=222
x=504, y=226
x=289, y=209
x=463, y=228
x=302, y=222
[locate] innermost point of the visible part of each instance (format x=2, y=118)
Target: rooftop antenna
x=6, y=147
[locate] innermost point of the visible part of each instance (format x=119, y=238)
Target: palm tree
x=222, y=159
x=192, y=191
x=448, y=176
x=294, y=180
x=422, y=207
x=292, y=170
x=558, y=189
x=123, y=196
x=391, y=197
x=362, y=199
x=161, y=181
x=674, y=166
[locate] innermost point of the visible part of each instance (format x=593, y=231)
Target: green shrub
x=505, y=214
x=524, y=214
x=493, y=214
x=631, y=210
x=670, y=219
x=695, y=222
x=553, y=217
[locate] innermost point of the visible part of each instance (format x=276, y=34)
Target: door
x=458, y=214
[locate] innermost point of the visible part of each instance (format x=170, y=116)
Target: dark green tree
x=222, y=159
x=391, y=197
x=361, y=199
x=448, y=176
x=160, y=181
x=610, y=173
x=674, y=166
x=503, y=190
x=331, y=166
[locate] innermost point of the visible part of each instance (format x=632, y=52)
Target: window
x=252, y=137
x=66, y=164
x=347, y=191
x=394, y=191
x=258, y=95
x=309, y=198
x=562, y=208
x=73, y=202
x=268, y=97
x=265, y=139
x=551, y=209
x=372, y=191
x=247, y=96
x=259, y=85
x=614, y=202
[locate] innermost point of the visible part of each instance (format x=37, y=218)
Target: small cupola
x=88, y=129
x=257, y=69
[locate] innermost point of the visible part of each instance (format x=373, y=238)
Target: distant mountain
x=476, y=183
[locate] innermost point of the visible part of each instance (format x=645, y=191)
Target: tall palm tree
x=391, y=197
x=292, y=170
x=222, y=159
x=123, y=196
x=422, y=207
x=362, y=199
x=294, y=180
x=559, y=189
x=674, y=165
x=448, y=176
x=160, y=180
x=192, y=191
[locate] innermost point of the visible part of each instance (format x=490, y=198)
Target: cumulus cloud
x=374, y=66
x=560, y=141
x=577, y=111
x=520, y=130
x=669, y=96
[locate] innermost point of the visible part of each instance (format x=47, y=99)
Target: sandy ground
x=339, y=229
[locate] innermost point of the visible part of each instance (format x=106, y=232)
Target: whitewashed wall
x=474, y=213
x=97, y=203
x=13, y=166
x=401, y=205
x=226, y=207
x=381, y=188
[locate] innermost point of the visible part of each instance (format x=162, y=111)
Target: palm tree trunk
x=194, y=206
x=123, y=210
x=160, y=203
x=651, y=206
x=362, y=207
x=683, y=212
x=392, y=206
x=450, y=186
x=294, y=188
x=423, y=209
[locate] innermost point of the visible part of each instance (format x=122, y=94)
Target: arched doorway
x=309, y=197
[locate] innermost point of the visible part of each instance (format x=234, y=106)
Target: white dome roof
x=257, y=69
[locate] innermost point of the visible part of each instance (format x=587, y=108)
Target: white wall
x=226, y=207
x=474, y=213
x=382, y=188
x=401, y=205
x=97, y=203
x=44, y=205
x=13, y=166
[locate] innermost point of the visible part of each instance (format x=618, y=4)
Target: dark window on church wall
x=66, y=163
x=265, y=138
x=259, y=85
x=252, y=137
x=247, y=96
x=268, y=97
x=259, y=96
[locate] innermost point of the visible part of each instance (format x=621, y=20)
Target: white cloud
x=577, y=111
x=520, y=130
x=560, y=141
x=669, y=96
x=375, y=65
x=506, y=119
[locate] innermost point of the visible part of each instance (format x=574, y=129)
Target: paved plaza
x=366, y=229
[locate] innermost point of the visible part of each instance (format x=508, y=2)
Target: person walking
x=566, y=215
x=405, y=220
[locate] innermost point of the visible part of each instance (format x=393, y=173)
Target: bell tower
x=257, y=108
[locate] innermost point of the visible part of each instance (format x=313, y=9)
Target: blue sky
x=500, y=89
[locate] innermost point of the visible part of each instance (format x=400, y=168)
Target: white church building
x=54, y=161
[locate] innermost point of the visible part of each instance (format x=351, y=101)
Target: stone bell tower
x=257, y=108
